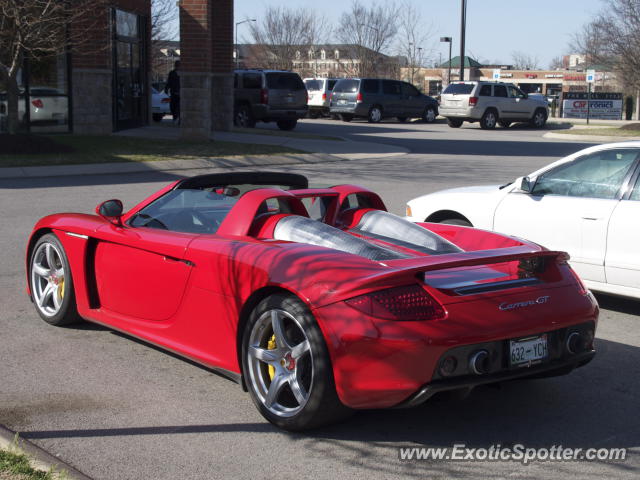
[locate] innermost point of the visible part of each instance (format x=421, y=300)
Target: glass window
x=459, y=88
x=314, y=85
x=599, y=175
x=390, y=87
x=284, y=81
x=485, y=91
x=126, y=24
x=409, y=90
x=635, y=193
x=370, y=86
x=499, y=91
x=252, y=80
x=347, y=86
x=332, y=83
x=515, y=92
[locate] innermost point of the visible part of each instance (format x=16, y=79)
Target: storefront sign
x=598, y=109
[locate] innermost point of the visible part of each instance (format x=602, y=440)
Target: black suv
x=375, y=99
x=268, y=96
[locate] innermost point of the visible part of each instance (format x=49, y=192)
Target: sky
x=495, y=28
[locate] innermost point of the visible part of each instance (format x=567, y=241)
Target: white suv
x=319, y=90
x=491, y=103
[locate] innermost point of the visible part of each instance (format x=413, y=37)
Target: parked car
x=269, y=96
x=587, y=204
x=491, y=103
x=47, y=106
x=319, y=90
x=375, y=99
x=160, y=104
x=349, y=307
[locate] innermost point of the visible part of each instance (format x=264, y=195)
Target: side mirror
x=111, y=210
x=526, y=185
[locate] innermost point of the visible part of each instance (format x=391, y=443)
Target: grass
x=111, y=149
x=283, y=133
x=16, y=466
x=610, y=132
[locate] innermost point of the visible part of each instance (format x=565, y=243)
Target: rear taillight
x=563, y=259
x=324, y=97
x=473, y=101
x=37, y=103
x=264, y=96
x=410, y=302
x=359, y=97
x=166, y=100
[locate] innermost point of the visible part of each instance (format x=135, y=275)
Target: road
x=116, y=408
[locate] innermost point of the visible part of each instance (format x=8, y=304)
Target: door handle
x=173, y=259
x=590, y=218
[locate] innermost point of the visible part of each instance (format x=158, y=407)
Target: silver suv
x=490, y=103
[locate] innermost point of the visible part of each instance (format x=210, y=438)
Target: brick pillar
x=206, y=49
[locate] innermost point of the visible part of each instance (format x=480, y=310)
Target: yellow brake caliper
x=61, y=289
x=271, y=345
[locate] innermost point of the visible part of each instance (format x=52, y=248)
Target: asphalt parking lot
x=116, y=408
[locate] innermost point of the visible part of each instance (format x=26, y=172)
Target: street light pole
x=463, y=25
x=449, y=41
x=236, y=39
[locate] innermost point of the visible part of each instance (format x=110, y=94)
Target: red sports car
x=317, y=301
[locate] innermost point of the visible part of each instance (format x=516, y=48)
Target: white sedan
x=160, y=104
x=587, y=204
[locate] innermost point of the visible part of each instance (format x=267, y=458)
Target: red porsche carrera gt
x=317, y=301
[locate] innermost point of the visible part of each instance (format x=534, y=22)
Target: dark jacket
x=173, y=83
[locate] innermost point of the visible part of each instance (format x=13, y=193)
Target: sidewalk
x=319, y=151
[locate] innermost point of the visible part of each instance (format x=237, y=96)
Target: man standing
x=173, y=89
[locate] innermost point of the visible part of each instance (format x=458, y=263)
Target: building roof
x=455, y=63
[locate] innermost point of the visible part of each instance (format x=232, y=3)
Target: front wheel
x=51, y=282
x=286, y=366
x=287, y=124
x=539, y=118
x=429, y=115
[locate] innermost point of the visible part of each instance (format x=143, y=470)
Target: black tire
x=315, y=379
x=430, y=114
x=504, y=123
x=243, y=117
x=345, y=117
x=375, y=114
x=289, y=124
x=489, y=119
x=456, y=221
x=454, y=122
x=402, y=119
x=539, y=119
x=157, y=117
x=66, y=313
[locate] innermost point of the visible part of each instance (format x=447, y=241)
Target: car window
x=314, y=85
x=635, y=193
x=515, y=92
x=252, y=80
x=409, y=90
x=370, y=86
x=346, y=86
x=598, y=175
x=459, y=88
x=499, y=91
x=186, y=210
x=390, y=87
x=485, y=91
x=284, y=81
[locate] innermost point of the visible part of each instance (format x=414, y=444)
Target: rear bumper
x=359, y=110
x=267, y=113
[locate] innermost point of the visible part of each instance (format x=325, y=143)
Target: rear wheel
x=157, y=117
x=287, y=124
x=51, y=282
x=286, y=366
x=539, y=118
x=489, y=120
x=375, y=114
x=429, y=115
x=454, y=123
x=243, y=117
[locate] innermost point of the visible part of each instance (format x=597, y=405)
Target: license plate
x=528, y=351
x=342, y=102
x=289, y=99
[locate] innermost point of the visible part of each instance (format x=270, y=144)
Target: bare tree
x=413, y=35
x=368, y=31
x=39, y=28
x=284, y=31
x=163, y=20
x=556, y=63
x=525, y=61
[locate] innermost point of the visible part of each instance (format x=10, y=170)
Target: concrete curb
x=39, y=458
x=589, y=138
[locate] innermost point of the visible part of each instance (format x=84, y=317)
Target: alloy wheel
x=48, y=279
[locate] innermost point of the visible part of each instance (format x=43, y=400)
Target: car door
x=413, y=102
x=502, y=101
x=517, y=104
x=622, y=262
x=569, y=208
x=391, y=98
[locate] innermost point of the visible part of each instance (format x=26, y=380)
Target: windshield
x=314, y=85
